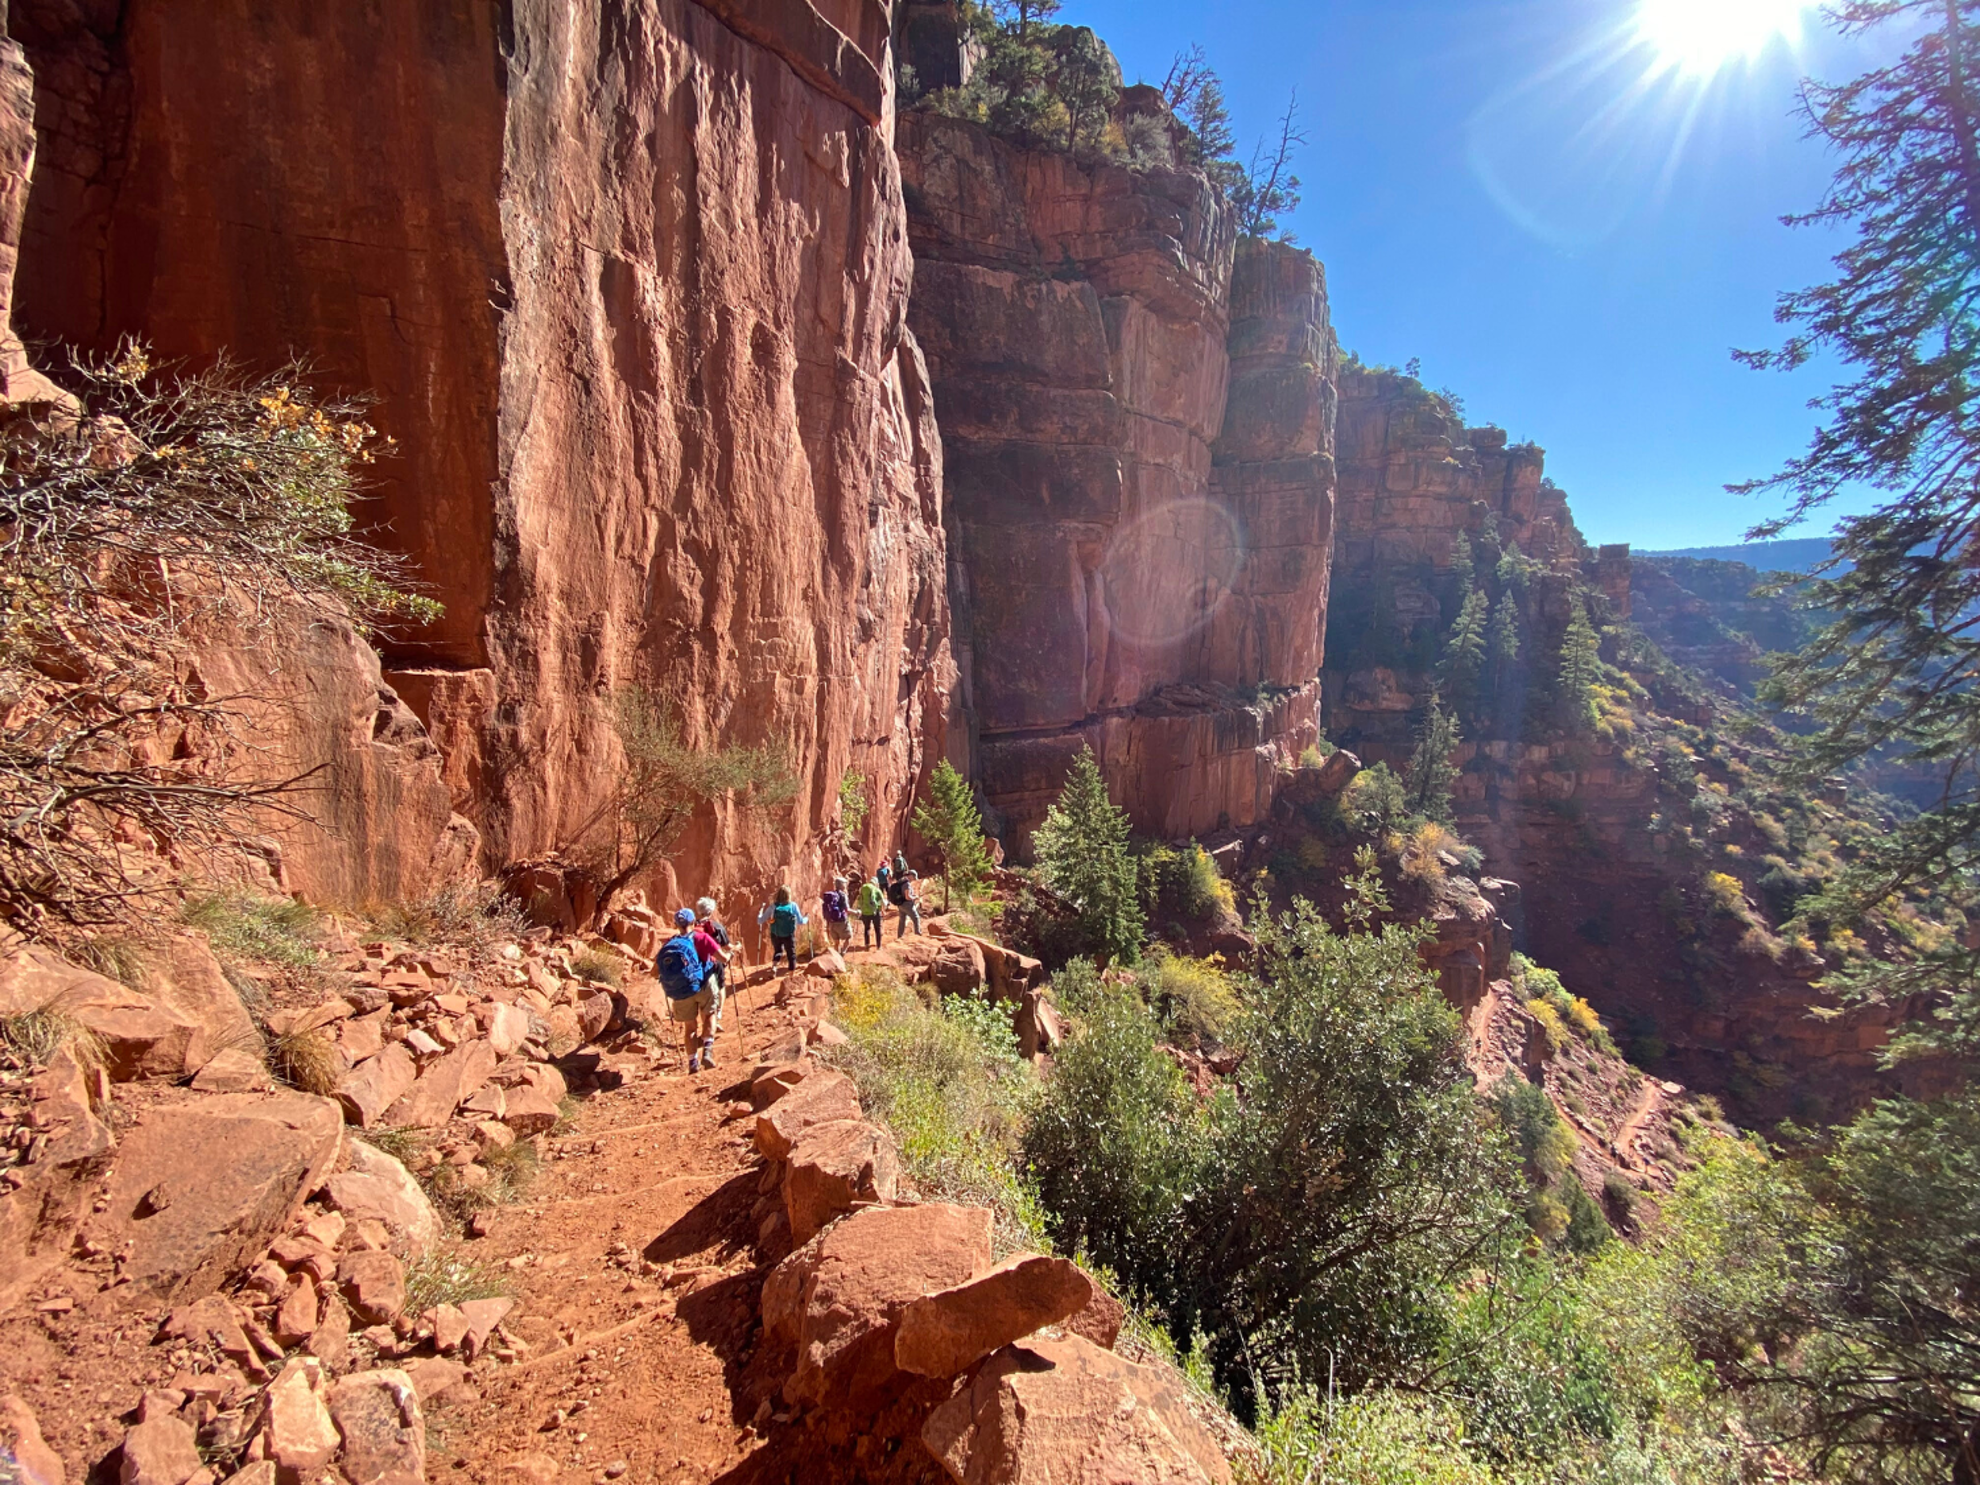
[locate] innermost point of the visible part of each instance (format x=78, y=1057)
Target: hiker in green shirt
x=871, y=902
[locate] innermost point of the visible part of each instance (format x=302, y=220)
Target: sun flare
x=1703, y=36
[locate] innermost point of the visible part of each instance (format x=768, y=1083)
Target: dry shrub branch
x=159, y=510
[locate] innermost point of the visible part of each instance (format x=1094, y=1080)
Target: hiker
x=871, y=902
x=838, y=915
x=901, y=871
x=784, y=918
x=884, y=877
x=689, y=1002
x=907, y=904
x=711, y=941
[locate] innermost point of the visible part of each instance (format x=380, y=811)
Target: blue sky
x=1494, y=192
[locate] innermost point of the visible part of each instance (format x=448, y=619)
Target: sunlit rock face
x=1137, y=423
x=630, y=283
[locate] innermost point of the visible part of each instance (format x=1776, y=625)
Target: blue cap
x=684, y=916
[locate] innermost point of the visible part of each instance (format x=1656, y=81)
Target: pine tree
x=1082, y=853
x=1574, y=690
x=1464, y=653
x=1464, y=566
x=1511, y=573
x=1502, y=658
x=953, y=828
x=1431, y=772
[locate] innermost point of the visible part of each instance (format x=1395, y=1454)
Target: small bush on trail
x=307, y=1060
x=112, y=955
x=1181, y=885
x=448, y=1276
x=1197, y=1001
x=36, y=1036
x=598, y=966
x=475, y=917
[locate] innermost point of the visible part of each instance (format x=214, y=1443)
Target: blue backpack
x=678, y=967
x=784, y=920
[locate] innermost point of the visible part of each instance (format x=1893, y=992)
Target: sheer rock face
x=1137, y=445
x=630, y=283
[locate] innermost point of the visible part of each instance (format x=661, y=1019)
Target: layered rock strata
x=1137, y=447
x=629, y=283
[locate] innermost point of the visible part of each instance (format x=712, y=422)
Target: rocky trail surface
x=721, y=1275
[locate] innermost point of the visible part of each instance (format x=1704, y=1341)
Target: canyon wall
x=1610, y=894
x=629, y=282
x=1137, y=431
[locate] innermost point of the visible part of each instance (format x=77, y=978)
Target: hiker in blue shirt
x=690, y=1001
x=783, y=918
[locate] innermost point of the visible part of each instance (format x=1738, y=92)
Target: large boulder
x=141, y=1037
x=1066, y=1412
x=834, y=1168
x=185, y=980
x=39, y=1217
x=1036, y=1023
x=945, y=1333
x=159, y=1451
x=820, y=1099
x=377, y=1185
x=200, y=1189
x=958, y=967
x=842, y=1295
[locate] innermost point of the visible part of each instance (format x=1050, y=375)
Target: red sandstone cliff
x=1137, y=440
x=630, y=283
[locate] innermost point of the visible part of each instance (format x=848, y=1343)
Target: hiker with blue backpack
x=783, y=918
x=690, y=1000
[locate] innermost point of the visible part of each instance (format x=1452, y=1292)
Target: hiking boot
x=694, y=1062
x=708, y=1052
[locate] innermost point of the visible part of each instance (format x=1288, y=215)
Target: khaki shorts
x=691, y=1008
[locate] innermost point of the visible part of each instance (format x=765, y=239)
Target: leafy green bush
x=1374, y=802
x=1196, y=1000
x=1116, y=1145
x=1181, y=885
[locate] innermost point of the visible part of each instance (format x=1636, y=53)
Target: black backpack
x=897, y=891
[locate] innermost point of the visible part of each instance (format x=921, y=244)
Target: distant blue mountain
x=1797, y=554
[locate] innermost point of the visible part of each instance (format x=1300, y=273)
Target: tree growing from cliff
x=1083, y=855
x=1431, y=772
x=1502, y=645
x=1574, y=685
x=1465, y=653
x=1267, y=189
x=158, y=512
x=953, y=827
x=665, y=779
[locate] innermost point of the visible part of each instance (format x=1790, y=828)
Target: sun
x=1704, y=36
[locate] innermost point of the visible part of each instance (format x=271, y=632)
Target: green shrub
x=1374, y=802
x=1196, y=1000
x=1181, y=885
x=948, y=1081
x=1117, y=1142
x=598, y=966
x=476, y=917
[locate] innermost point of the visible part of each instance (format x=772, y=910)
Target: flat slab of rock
x=820, y=1099
x=379, y=1187
x=374, y=1085
x=200, y=1189
x=946, y=1333
x=1069, y=1413
x=141, y=1037
x=841, y=1296
x=233, y=1070
x=833, y=1169
x=443, y=1086
x=384, y=1434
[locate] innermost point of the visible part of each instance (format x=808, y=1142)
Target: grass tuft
x=599, y=966
x=36, y=1036
x=451, y=1277
x=273, y=930
x=308, y=1061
